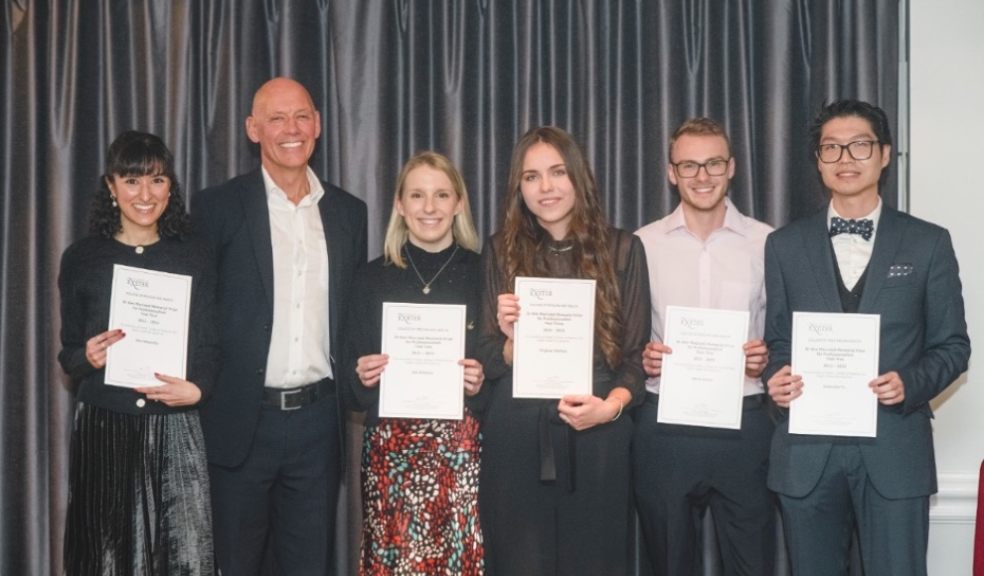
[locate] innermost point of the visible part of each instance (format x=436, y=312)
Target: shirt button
x=141, y=402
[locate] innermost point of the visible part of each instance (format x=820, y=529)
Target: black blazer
x=234, y=219
x=913, y=283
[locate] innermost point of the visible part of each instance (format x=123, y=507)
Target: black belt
x=299, y=397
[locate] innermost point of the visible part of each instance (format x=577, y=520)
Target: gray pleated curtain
x=390, y=77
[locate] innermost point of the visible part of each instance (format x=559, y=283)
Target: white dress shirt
x=851, y=250
x=299, y=343
x=727, y=271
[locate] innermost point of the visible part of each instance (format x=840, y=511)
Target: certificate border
x=671, y=312
x=459, y=410
x=871, y=432
x=187, y=281
x=588, y=360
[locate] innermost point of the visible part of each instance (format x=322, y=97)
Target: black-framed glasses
x=689, y=169
x=859, y=150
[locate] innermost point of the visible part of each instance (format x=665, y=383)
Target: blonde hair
x=463, y=228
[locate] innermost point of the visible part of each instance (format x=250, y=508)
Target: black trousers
x=286, y=491
x=681, y=471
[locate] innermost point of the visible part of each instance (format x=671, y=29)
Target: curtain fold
x=390, y=78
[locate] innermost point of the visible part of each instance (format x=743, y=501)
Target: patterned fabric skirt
x=420, y=498
x=138, y=500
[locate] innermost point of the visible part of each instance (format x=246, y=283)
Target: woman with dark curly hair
x=555, y=473
x=138, y=480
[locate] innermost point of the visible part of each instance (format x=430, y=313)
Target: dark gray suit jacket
x=913, y=283
x=234, y=219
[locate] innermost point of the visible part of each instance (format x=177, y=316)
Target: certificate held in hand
x=702, y=381
x=837, y=356
x=152, y=309
x=423, y=379
x=553, y=351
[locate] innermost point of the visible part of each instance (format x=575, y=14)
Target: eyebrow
x=855, y=138
x=711, y=159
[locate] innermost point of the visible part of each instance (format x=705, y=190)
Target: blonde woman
x=419, y=477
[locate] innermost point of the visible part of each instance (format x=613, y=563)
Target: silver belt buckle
x=287, y=393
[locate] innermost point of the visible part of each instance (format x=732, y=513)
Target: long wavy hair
x=138, y=154
x=522, y=235
x=463, y=227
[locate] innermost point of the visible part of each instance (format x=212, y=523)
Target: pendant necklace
x=558, y=249
x=427, y=285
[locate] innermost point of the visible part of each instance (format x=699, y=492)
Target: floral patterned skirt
x=420, y=498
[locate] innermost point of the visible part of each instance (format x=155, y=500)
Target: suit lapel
x=821, y=256
x=888, y=238
x=258, y=219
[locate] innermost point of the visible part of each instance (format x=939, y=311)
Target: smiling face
x=286, y=125
x=142, y=200
x=702, y=193
x=428, y=204
x=849, y=178
x=547, y=189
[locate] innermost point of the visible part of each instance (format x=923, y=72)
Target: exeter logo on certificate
x=553, y=353
x=152, y=309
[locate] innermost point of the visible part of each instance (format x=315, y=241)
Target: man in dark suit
x=286, y=246
x=859, y=255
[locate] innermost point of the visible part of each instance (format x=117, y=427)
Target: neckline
x=137, y=248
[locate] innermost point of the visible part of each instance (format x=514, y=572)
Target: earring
x=114, y=201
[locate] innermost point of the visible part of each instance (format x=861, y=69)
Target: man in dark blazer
x=858, y=255
x=286, y=245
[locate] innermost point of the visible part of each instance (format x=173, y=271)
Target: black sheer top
x=556, y=260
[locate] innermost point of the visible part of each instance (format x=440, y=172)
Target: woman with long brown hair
x=555, y=474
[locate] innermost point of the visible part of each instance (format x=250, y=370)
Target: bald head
x=286, y=125
x=278, y=88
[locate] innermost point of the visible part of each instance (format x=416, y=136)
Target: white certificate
x=837, y=356
x=554, y=338
x=423, y=379
x=702, y=382
x=152, y=309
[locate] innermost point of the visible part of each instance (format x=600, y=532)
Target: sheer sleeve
x=490, y=338
x=633, y=279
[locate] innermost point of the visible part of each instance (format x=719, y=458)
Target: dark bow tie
x=864, y=227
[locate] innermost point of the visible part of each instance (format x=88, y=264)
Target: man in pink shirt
x=705, y=254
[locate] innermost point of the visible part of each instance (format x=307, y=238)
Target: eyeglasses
x=688, y=169
x=859, y=150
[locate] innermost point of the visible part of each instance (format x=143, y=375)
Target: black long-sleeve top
x=634, y=310
x=85, y=283
x=378, y=282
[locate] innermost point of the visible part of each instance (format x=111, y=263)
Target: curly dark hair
x=138, y=154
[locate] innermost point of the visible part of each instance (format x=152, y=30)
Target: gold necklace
x=427, y=285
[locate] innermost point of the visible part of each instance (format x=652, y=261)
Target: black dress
x=555, y=501
x=419, y=477
x=138, y=479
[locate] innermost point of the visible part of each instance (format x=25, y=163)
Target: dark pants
x=893, y=534
x=680, y=471
x=285, y=491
